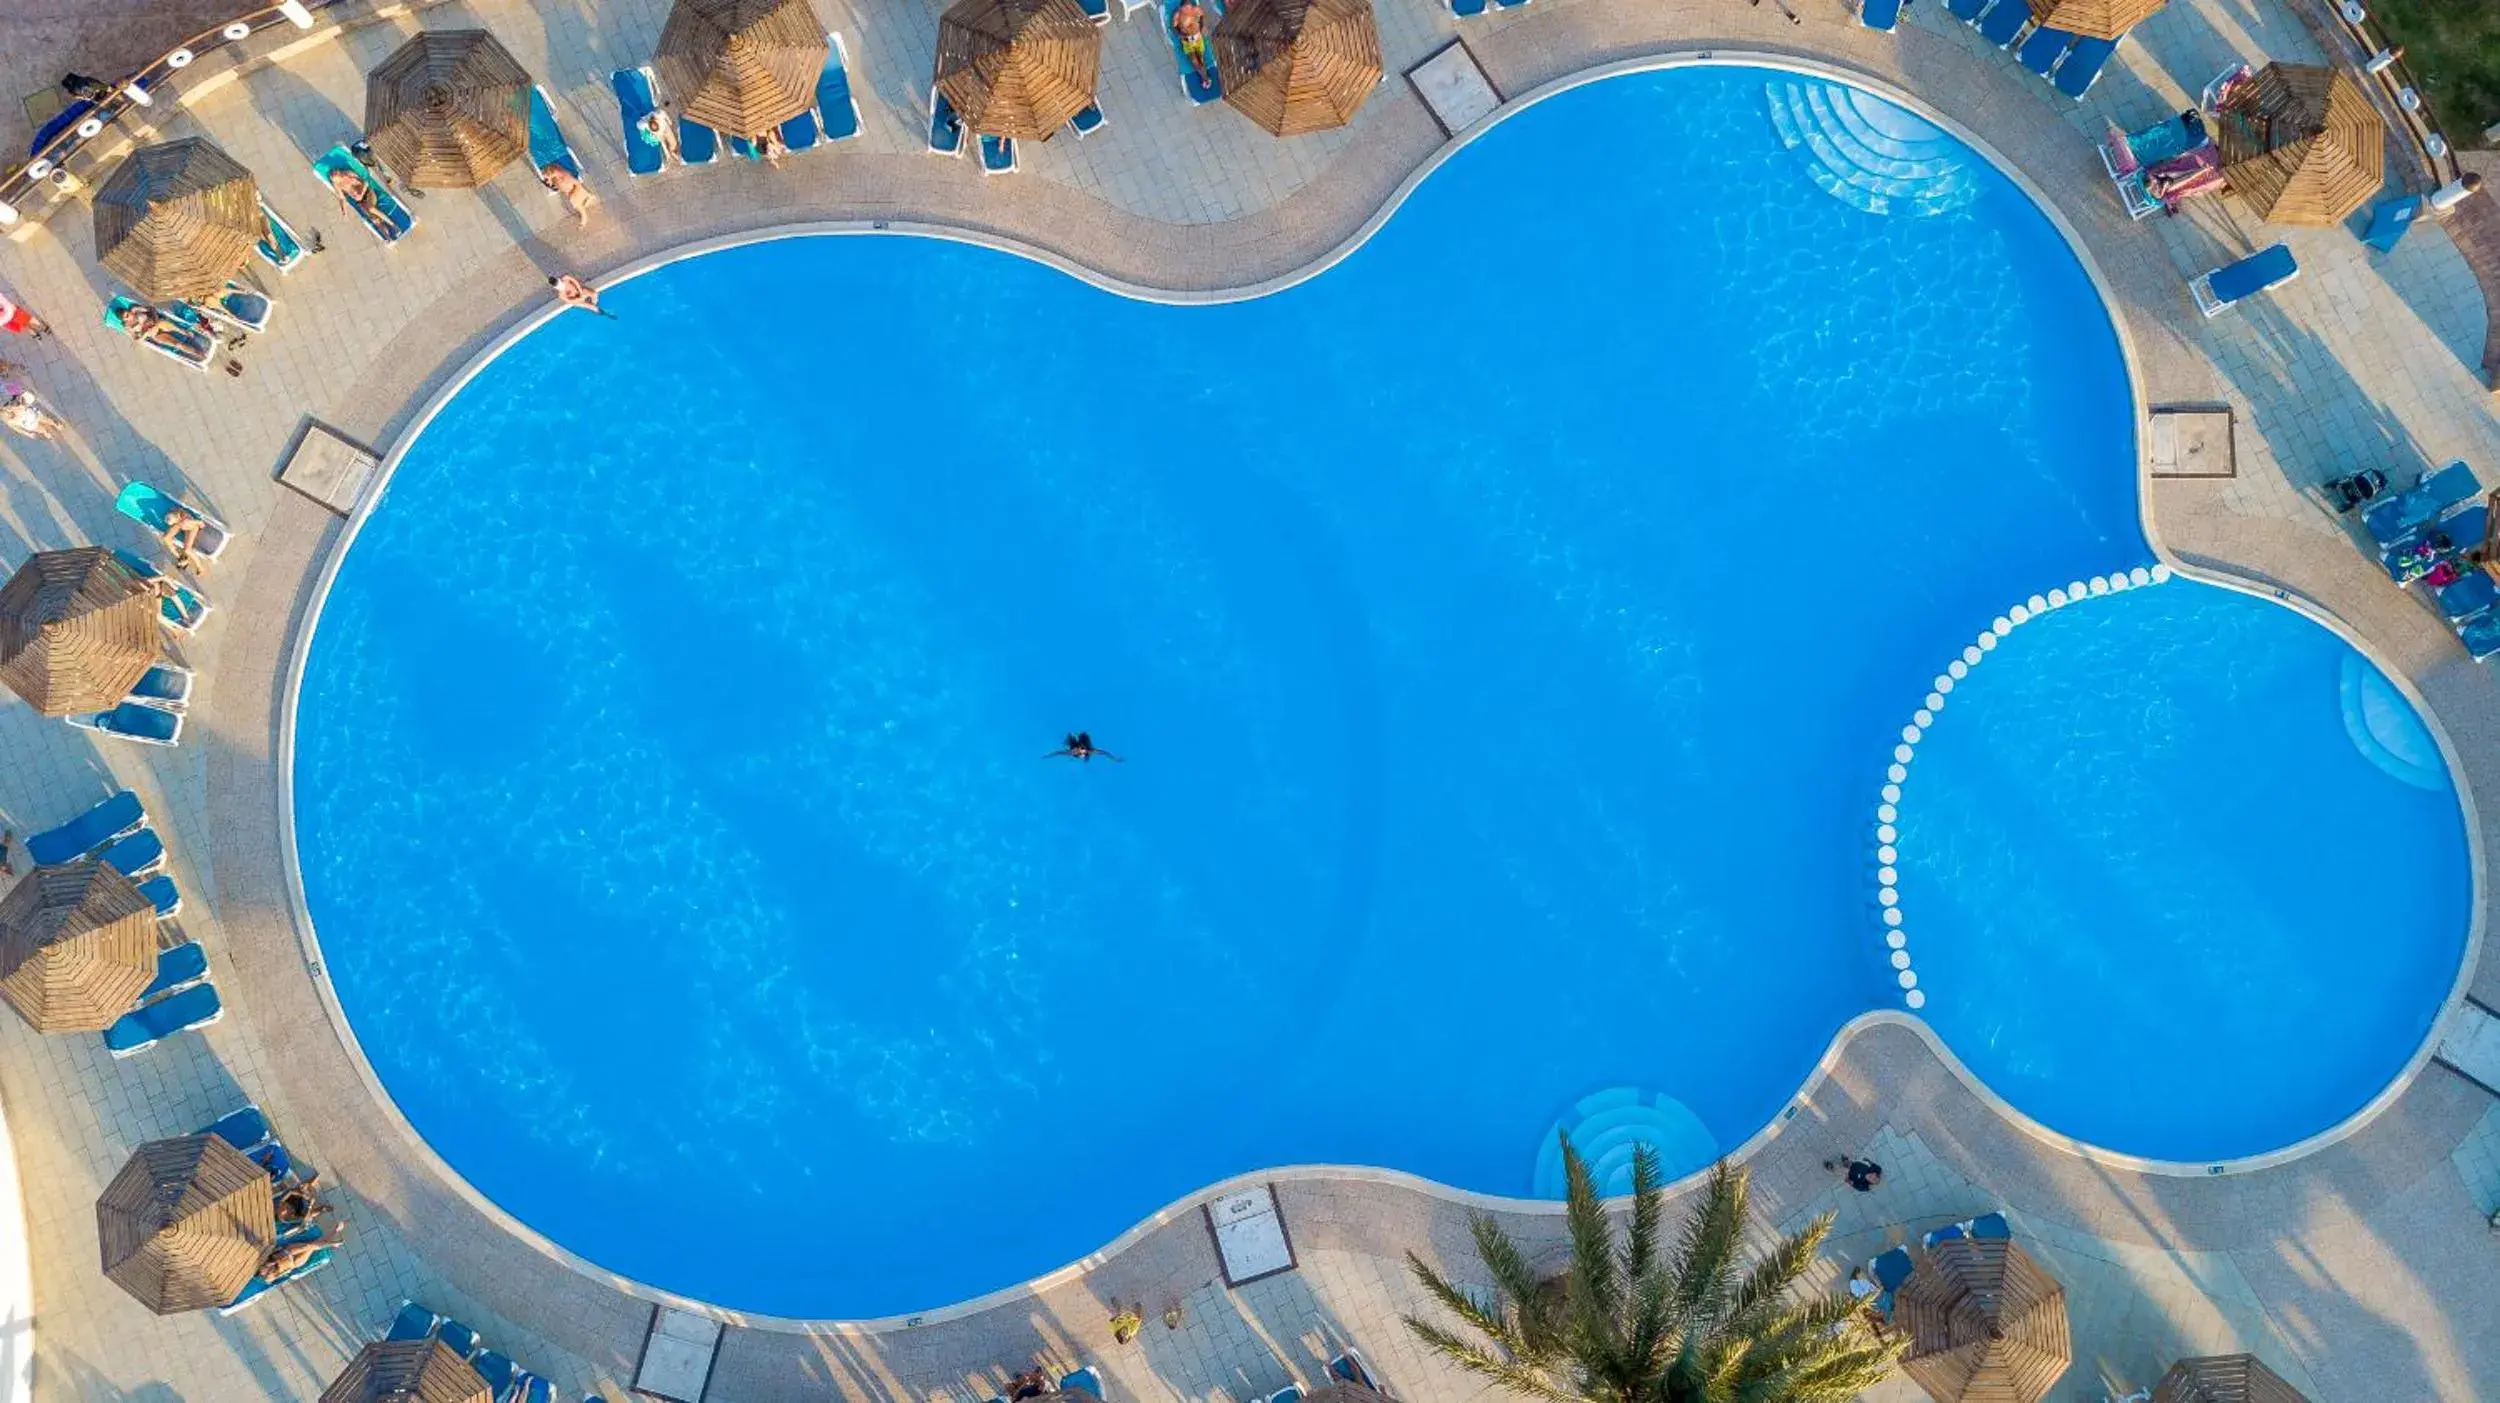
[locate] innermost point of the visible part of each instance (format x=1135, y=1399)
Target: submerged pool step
x=1869, y=154
x=1606, y=1127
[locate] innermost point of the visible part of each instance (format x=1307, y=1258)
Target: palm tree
x=1638, y=1324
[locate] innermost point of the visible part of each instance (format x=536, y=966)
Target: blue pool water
x=1506, y=632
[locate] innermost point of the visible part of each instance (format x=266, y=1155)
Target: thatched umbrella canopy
x=741, y=66
x=448, y=109
x=2224, y=1378
x=1018, y=68
x=1985, y=1322
x=1296, y=66
x=77, y=947
x=407, y=1371
x=177, y=219
x=186, y=1223
x=2302, y=145
x=2096, y=19
x=78, y=629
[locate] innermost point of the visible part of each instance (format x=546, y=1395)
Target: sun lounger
x=257, y=1288
x=946, y=130
x=1888, y=1271
x=163, y=895
x=998, y=155
x=116, y=817
x=278, y=246
x=280, y=1165
x=534, y=1389
x=1099, y=11
x=1083, y=1380
x=166, y=685
x=178, y=968
x=235, y=308
x=136, y=856
x=1510, y=4
x=1882, y=16
x=1967, y=11
x=697, y=144
x=413, y=1322
x=150, y=508
x=836, y=108
x=1211, y=87
x=1989, y=1227
x=2469, y=596
x=1467, y=9
x=2233, y=283
x=632, y=87
x=2041, y=51
x=244, y=1127
x=2129, y=155
x=1087, y=121
x=1130, y=7
x=462, y=1340
x=197, y=357
x=547, y=144
x=496, y=1370
x=397, y=219
x=742, y=148
x=2389, y=219
x=2392, y=520
x=148, y=725
x=2085, y=59
x=178, y=1012
x=801, y=133
x=186, y=611
x=1290, y=1393
x=2481, y=635
x=2001, y=24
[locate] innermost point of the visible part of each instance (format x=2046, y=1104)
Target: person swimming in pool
x=1081, y=747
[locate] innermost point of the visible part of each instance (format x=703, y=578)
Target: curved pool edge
x=309, y=592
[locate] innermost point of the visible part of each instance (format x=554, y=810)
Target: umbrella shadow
x=310, y=120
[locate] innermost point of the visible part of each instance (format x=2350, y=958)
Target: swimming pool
x=1505, y=631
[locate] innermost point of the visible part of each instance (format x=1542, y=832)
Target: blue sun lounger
x=116, y=817
x=186, y=611
x=163, y=895
x=150, y=508
x=836, y=108
x=946, y=128
x=236, y=308
x=256, y=1288
x=394, y=214
x=1467, y=9
x=632, y=87
x=2414, y=554
x=2468, y=596
x=2008, y=19
x=2085, y=59
x=178, y=1012
x=244, y=1127
x=136, y=856
x=2041, y=51
x=148, y=725
x=1212, y=86
x=278, y=246
x=1888, y=1271
x=998, y=155
x=182, y=312
x=2481, y=635
x=2393, y=521
x=2233, y=283
x=1349, y=1366
x=1083, y=1380
x=1967, y=11
x=697, y=144
x=496, y=1369
x=547, y=144
x=1087, y=121
x=1099, y=11
x=179, y=968
x=1882, y=16
x=413, y=1322
x=166, y=686
x=1290, y=1393
x=462, y=1340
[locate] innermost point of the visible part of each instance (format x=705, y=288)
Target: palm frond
x=1487, y=1318
x=1521, y=1287
x=1649, y=1211
x=1594, y=1280
x=1712, y=1235
x=1475, y=1359
x=1776, y=1273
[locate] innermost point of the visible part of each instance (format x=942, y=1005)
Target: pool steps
x=2383, y=726
x=1868, y=153
x=1606, y=1126
x=1887, y=852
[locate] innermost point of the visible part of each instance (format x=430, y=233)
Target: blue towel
x=2041, y=51
x=176, y=1012
x=414, y=1322
x=1883, y=16
x=2468, y=597
x=1084, y=1380
x=137, y=855
x=2004, y=22
x=2083, y=65
x=632, y=86
x=547, y=144
x=136, y=721
x=1990, y=1227
x=946, y=129
x=2391, y=519
x=184, y=964
x=1892, y=1268
x=2263, y=269
x=244, y=1127
x=697, y=144
x=834, y=104
x=162, y=894
x=116, y=817
x=1968, y=11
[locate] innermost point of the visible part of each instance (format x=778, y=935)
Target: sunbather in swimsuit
x=182, y=537
x=1190, y=24
x=148, y=325
x=356, y=196
x=659, y=129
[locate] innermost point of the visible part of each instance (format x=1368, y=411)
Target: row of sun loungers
x=247, y=1129
x=835, y=117
x=2071, y=63
x=506, y=1382
x=2434, y=523
x=116, y=833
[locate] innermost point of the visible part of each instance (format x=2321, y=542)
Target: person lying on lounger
x=182, y=538
x=357, y=198
x=280, y=1261
x=22, y=413
x=296, y=1205
x=1081, y=747
x=1189, y=23
x=659, y=129
x=154, y=328
x=769, y=147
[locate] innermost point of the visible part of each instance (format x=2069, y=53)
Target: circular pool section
x=1503, y=633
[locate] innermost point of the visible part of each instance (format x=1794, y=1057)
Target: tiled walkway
x=2362, y=1271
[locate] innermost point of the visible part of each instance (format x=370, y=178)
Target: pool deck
x=2361, y=1270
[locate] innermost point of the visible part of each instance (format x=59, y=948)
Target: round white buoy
x=1900, y=959
x=1887, y=876
x=237, y=30
x=1884, y=834
x=1915, y=999
x=1970, y=656
x=1957, y=668
x=1887, y=896
x=2036, y=604
x=1897, y=773
x=1902, y=753
x=2000, y=626
x=1908, y=979
x=1935, y=701
x=1895, y=939
x=1987, y=642
x=1943, y=683
x=1886, y=813
x=2020, y=613
x=2119, y=581
x=1909, y=733
x=179, y=58
x=2075, y=590
x=1887, y=854
x=2163, y=572
x=2057, y=599
x=89, y=128
x=1892, y=918
x=2140, y=575
x=1923, y=718
x=2100, y=584
x=1892, y=792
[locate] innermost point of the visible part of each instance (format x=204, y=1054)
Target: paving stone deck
x=2361, y=1270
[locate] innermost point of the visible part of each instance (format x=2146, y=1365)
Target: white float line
x=1888, y=811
